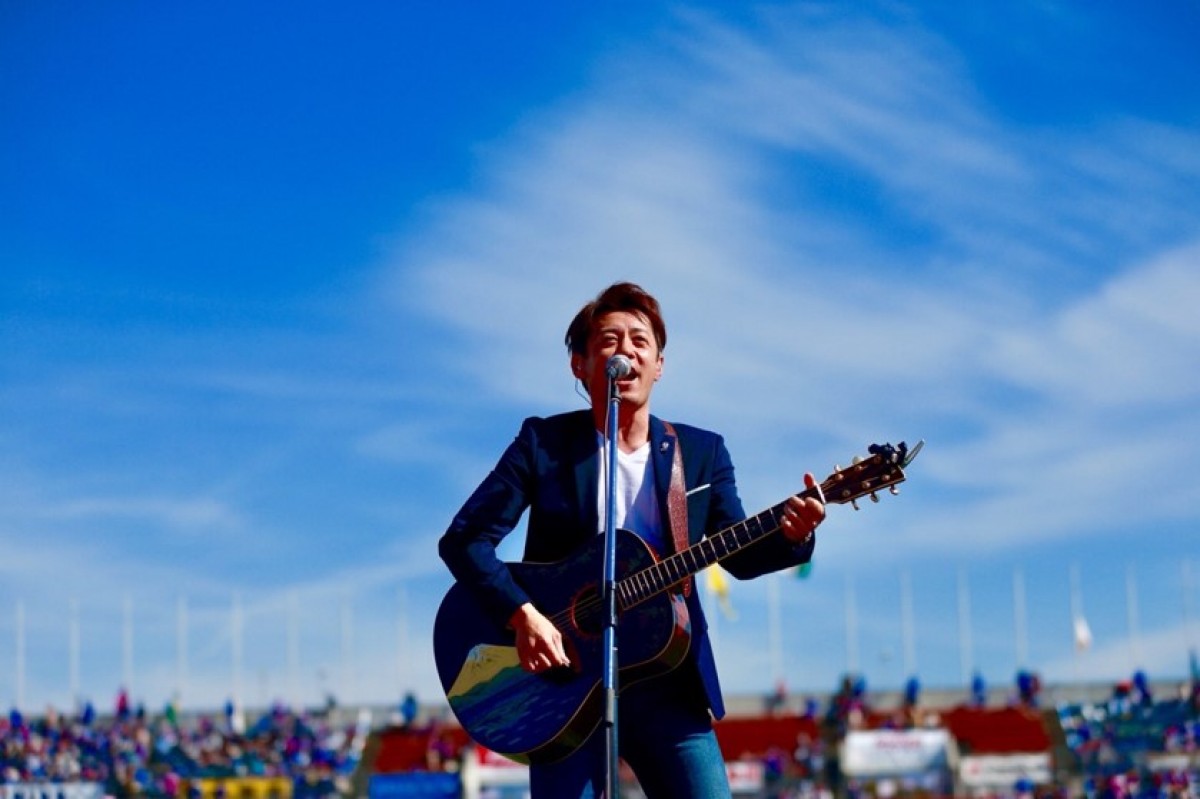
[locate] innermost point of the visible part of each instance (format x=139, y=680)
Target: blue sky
x=279, y=282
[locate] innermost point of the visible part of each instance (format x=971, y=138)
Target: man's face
x=620, y=333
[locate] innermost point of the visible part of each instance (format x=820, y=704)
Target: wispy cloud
x=173, y=514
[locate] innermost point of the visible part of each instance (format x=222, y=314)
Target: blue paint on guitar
x=544, y=717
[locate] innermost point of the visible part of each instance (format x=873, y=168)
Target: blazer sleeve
x=724, y=508
x=468, y=547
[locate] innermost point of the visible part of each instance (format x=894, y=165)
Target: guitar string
x=678, y=560
x=561, y=618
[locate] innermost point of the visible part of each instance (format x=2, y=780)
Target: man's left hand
x=801, y=515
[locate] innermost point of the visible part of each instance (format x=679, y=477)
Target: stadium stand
x=1128, y=745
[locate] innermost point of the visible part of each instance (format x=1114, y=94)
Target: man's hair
x=628, y=297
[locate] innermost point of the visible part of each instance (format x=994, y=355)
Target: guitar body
x=540, y=718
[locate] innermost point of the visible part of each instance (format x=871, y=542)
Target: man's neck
x=633, y=426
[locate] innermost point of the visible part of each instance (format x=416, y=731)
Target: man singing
x=555, y=468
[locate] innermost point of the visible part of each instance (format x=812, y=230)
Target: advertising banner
x=487, y=774
x=746, y=776
x=894, y=753
x=52, y=790
x=414, y=785
x=241, y=787
x=1001, y=772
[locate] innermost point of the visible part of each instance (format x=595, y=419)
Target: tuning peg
x=893, y=490
x=854, y=504
x=874, y=497
x=856, y=460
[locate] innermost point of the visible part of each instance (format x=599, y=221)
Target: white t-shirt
x=635, y=506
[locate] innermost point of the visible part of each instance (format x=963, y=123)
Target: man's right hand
x=539, y=642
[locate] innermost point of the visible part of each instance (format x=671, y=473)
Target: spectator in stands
x=848, y=707
x=408, y=709
x=978, y=691
x=1141, y=689
x=776, y=701
x=1028, y=688
x=809, y=757
x=122, y=710
x=908, y=714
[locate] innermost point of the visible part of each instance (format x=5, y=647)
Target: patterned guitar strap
x=677, y=503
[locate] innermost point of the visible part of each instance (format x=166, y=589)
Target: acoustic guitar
x=543, y=717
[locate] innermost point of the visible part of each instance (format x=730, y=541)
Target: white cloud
x=193, y=513
x=1134, y=343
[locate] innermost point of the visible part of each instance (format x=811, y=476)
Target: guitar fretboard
x=671, y=571
x=862, y=478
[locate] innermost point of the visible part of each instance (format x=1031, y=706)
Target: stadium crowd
x=1132, y=746
x=131, y=753
x=1119, y=742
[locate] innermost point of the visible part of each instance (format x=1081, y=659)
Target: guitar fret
x=654, y=579
x=625, y=594
x=661, y=577
x=646, y=586
x=672, y=569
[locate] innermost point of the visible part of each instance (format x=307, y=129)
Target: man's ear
x=577, y=367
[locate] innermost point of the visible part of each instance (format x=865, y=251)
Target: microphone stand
x=609, y=594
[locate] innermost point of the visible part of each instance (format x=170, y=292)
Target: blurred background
x=279, y=281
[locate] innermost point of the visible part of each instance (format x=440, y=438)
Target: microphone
x=619, y=366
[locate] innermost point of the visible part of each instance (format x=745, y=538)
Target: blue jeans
x=665, y=735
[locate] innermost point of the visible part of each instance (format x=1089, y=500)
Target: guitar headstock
x=883, y=468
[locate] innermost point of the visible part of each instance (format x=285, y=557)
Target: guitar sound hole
x=587, y=612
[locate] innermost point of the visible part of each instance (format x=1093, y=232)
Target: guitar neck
x=864, y=477
x=673, y=570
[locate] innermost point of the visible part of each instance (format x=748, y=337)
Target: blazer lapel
x=585, y=448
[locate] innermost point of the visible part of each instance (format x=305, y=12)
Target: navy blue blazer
x=552, y=469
